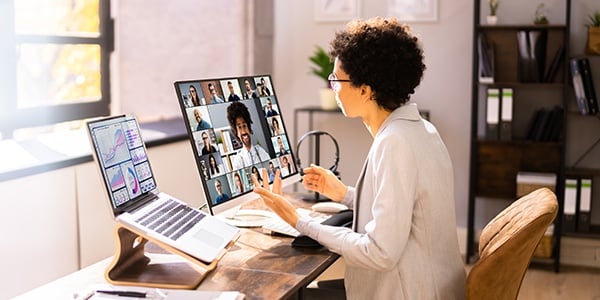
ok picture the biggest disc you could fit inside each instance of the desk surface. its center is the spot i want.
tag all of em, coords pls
(260, 266)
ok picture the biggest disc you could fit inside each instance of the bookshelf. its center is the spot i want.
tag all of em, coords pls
(522, 142)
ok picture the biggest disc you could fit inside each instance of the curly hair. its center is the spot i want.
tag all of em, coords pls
(383, 54)
(237, 110)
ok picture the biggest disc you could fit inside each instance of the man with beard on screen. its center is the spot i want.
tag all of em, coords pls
(241, 125)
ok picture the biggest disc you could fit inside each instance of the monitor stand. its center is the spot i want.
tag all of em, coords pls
(246, 218)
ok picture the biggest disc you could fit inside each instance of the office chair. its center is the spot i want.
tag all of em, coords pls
(507, 244)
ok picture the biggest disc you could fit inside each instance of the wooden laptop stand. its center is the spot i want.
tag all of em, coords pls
(130, 265)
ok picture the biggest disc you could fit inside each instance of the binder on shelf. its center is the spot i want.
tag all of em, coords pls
(569, 217)
(532, 55)
(556, 126)
(486, 60)
(585, 204)
(539, 125)
(506, 114)
(576, 77)
(492, 113)
(588, 85)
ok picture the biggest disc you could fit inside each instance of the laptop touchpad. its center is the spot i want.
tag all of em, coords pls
(208, 238)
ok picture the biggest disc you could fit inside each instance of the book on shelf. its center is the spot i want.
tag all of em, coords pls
(583, 86)
(588, 85)
(570, 205)
(555, 64)
(492, 118)
(506, 114)
(546, 125)
(486, 59)
(585, 204)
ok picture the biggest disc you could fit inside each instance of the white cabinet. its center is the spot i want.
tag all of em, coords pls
(56, 222)
(38, 230)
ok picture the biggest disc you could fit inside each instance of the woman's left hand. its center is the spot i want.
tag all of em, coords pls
(273, 198)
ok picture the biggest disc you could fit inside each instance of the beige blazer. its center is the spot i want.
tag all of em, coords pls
(404, 243)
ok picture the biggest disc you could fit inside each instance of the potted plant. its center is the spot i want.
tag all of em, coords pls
(593, 38)
(540, 15)
(322, 67)
(492, 19)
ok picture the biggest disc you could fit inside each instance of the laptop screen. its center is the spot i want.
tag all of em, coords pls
(120, 151)
(236, 128)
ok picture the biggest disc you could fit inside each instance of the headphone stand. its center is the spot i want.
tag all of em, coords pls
(316, 197)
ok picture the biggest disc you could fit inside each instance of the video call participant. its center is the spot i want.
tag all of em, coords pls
(232, 95)
(272, 171)
(202, 124)
(269, 111)
(263, 89)
(214, 96)
(237, 180)
(194, 96)
(221, 197)
(207, 148)
(249, 93)
(276, 129)
(241, 125)
(403, 243)
(286, 166)
(282, 150)
(214, 168)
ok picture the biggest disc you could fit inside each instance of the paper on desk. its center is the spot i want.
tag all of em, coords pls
(153, 293)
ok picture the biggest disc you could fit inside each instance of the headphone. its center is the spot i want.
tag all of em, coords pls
(318, 134)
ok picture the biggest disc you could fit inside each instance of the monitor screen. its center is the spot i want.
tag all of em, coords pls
(236, 129)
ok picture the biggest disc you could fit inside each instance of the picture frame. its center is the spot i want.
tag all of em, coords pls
(414, 10)
(336, 10)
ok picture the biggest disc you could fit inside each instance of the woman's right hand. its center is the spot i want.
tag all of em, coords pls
(323, 181)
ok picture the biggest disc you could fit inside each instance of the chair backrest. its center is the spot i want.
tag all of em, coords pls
(507, 244)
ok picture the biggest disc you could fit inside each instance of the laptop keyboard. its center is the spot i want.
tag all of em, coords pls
(171, 219)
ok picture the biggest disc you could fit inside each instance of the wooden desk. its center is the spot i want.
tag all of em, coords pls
(260, 266)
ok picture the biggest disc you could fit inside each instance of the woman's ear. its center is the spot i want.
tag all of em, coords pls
(366, 92)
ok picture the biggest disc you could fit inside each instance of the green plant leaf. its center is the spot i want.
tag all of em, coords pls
(322, 64)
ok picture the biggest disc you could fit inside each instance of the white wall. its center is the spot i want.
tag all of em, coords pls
(445, 90)
(158, 42)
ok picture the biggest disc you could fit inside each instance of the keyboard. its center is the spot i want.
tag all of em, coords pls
(171, 219)
(278, 226)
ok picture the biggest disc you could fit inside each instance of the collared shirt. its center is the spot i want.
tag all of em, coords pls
(245, 158)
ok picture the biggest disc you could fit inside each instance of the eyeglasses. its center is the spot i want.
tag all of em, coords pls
(334, 83)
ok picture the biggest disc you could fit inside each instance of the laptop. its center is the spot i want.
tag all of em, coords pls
(136, 202)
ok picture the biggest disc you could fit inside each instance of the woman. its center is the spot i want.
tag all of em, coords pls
(194, 96)
(403, 244)
(238, 183)
(276, 129)
(213, 166)
(257, 174)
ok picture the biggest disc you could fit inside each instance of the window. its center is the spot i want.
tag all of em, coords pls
(54, 62)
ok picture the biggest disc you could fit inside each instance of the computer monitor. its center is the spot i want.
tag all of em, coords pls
(236, 127)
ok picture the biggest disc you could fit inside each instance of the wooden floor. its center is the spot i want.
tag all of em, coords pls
(572, 283)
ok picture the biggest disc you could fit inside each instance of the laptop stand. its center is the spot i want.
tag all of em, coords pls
(131, 266)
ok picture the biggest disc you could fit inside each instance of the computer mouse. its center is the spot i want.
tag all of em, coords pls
(329, 207)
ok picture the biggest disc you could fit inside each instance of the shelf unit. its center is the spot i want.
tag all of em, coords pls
(494, 163)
